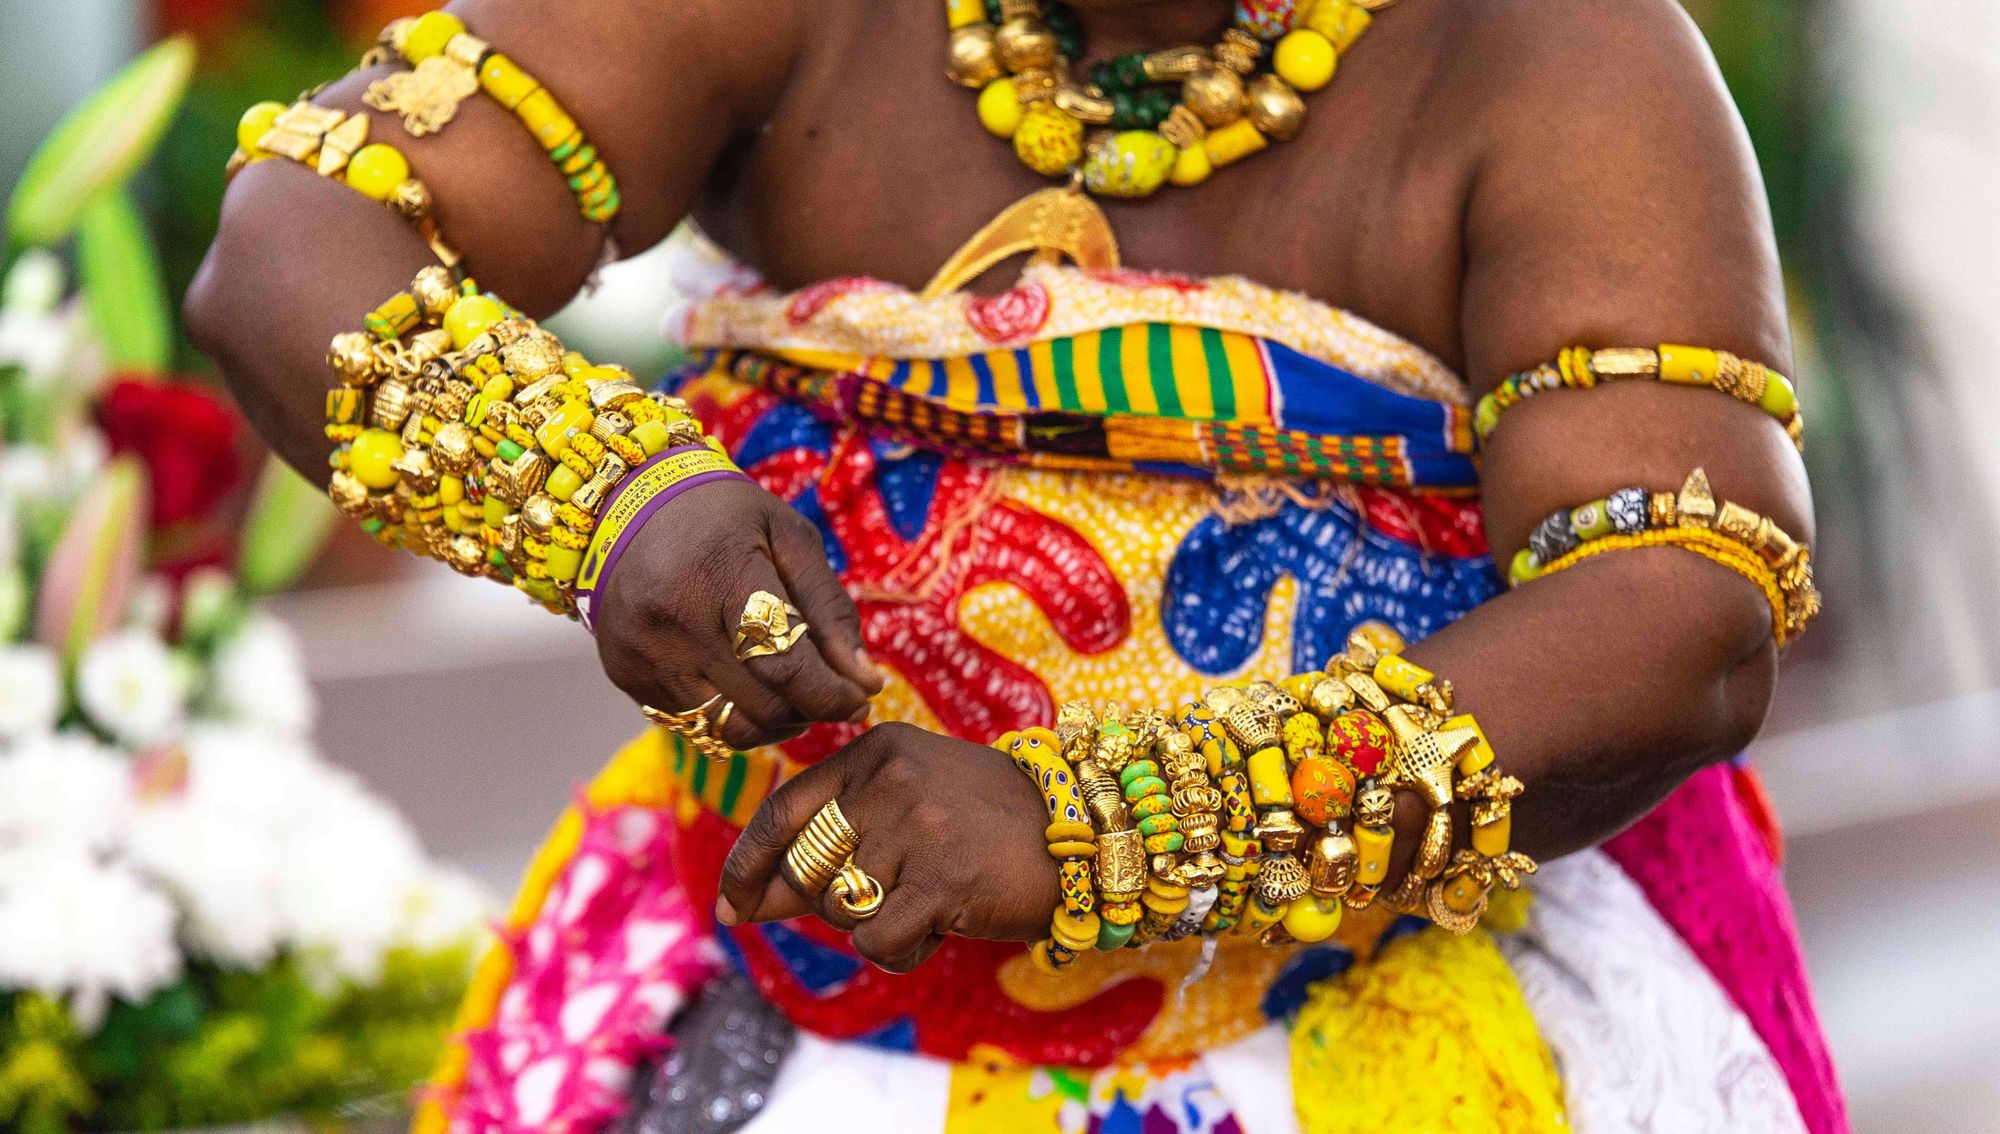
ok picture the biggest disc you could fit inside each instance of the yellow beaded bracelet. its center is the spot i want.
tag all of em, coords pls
(335, 145)
(449, 64)
(1580, 368)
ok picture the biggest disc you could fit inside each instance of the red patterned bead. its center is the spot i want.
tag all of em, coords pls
(1361, 739)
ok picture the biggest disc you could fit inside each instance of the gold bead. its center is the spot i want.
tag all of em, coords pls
(352, 358)
(435, 292)
(972, 60)
(1025, 43)
(1215, 94)
(1177, 63)
(411, 200)
(1275, 108)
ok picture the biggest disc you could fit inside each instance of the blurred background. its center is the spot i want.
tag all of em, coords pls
(1880, 139)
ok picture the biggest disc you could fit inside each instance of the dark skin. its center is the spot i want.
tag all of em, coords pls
(1492, 179)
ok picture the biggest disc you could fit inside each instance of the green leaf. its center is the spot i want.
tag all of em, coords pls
(122, 288)
(288, 522)
(98, 146)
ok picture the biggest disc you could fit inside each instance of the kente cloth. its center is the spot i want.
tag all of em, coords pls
(1131, 487)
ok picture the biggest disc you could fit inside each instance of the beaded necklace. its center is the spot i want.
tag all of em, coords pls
(1234, 99)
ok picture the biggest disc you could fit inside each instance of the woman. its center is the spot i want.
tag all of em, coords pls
(1097, 491)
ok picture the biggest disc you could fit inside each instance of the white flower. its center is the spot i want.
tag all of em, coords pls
(258, 681)
(27, 473)
(63, 790)
(131, 686)
(30, 692)
(224, 874)
(34, 285)
(73, 926)
(339, 879)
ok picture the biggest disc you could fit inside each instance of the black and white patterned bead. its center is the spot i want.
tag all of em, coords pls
(1552, 539)
(1628, 510)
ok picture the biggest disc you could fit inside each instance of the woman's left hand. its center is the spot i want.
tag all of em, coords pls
(952, 830)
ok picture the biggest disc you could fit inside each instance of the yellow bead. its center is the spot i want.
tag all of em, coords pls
(470, 317)
(1049, 140)
(545, 119)
(563, 483)
(959, 13)
(1134, 163)
(1234, 142)
(1340, 21)
(569, 419)
(1270, 782)
(458, 521)
(564, 563)
(375, 171)
(1000, 108)
(1258, 917)
(1371, 849)
(1462, 895)
(255, 123)
(1780, 400)
(1477, 758)
(1689, 366)
(1402, 678)
(651, 436)
(429, 33)
(1306, 59)
(503, 79)
(1493, 839)
(451, 490)
(1523, 569)
(373, 456)
(1313, 919)
(1192, 166)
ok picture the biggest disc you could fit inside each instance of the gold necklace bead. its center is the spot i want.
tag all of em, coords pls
(1025, 43)
(973, 61)
(1183, 127)
(1239, 51)
(1176, 63)
(1275, 108)
(1037, 84)
(1084, 106)
(1215, 94)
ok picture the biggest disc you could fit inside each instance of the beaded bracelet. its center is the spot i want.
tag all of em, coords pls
(449, 65)
(1310, 832)
(1726, 533)
(1075, 926)
(335, 145)
(1579, 368)
(465, 432)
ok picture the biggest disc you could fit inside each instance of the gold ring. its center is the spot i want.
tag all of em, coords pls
(832, 822)
(768, 625)
(857, 893)
(810, 868)
(694, 727)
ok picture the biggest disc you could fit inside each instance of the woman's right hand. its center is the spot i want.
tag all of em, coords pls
(668, 616)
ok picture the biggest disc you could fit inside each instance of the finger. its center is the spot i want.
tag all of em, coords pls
(829, 610)
(905, 933)
(760, 716)
(801, 677)
(756, 861)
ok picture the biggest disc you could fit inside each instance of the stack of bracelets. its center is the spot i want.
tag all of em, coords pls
(466, 433)
(1266, 809)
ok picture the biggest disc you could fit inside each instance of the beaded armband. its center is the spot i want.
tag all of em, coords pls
(466, 433)
(1726, 533)
(1580, 368)
(449, 65)
(1194, 837)
(335, 145)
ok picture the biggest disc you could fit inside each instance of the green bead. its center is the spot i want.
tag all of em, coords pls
(1112, 937)
(509, 450)
(1131, 69)
(371, 526)
(1592, 520)
(993, 11)
(1524, 568)
(1102, 76)
(1158, 824)
(1069, 44)
(1137, 769)
(1487, 417)
(1144, 786)
(1155, 104)
(1124, 112)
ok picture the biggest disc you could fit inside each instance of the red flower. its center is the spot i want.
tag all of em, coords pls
(1011, 315)
(186, 436)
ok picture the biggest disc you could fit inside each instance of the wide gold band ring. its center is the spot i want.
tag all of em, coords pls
(822, 848)
(769, 625)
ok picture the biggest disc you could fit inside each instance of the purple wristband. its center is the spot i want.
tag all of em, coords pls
(644, 491)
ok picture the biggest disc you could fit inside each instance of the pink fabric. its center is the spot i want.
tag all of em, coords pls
(615, 952)
(1708, 869)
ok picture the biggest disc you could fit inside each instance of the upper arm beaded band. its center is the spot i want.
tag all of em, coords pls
(1580, 368)
(450, 64)
(1726, 533)
(335, 145)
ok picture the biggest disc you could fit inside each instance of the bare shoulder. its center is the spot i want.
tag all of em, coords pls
(1616, 193)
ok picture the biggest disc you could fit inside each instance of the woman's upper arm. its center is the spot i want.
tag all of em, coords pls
(1618, 204)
